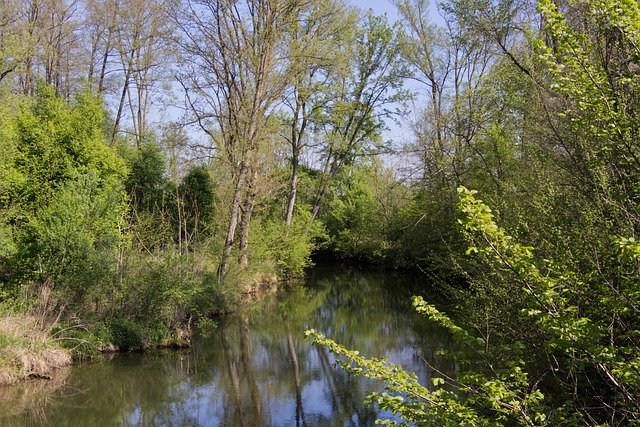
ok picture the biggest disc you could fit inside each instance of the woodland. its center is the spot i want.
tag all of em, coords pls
(160, 160)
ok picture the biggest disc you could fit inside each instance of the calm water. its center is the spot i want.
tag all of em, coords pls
(255, 369)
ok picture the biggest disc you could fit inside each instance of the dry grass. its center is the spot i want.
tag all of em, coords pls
(27, 350)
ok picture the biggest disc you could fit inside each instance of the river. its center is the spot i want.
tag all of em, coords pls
(255, 368)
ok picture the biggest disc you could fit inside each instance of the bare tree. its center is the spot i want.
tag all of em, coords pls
(233, 78)
(100, 26)
(142, 45)
(59, 43)
(49, 43)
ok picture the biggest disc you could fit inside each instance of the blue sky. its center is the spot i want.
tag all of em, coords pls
(379, 7)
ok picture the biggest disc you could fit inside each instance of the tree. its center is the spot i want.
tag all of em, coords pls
(197, 197)
(467, 129)
(142, 41)
(577, 347)
(359, 212)
(362, 99)
(146, 183)
(57, 140)
(50, 45)
(100, 25)
(453, 63)
(595, 75)
(564, 350)
(318, 46)
(232, 81)
(12, 48)
(66, 186)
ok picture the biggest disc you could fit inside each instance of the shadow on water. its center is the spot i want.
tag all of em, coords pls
(255, 369)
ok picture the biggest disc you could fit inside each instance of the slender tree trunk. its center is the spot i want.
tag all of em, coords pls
(28, 77)
(134, 122)
(317, 205)
(139, 113)
(107, 47)
(57, 73)
(139, 78)
(105, 59)
(297, 135)
(182, 232)
(92, 61)
(247, 211)
(330, 171)
(125, 89)
(293, 191)
(234, 212)
(28, 84)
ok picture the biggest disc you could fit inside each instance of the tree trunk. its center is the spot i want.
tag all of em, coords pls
(318, 202)
(103, 67)
(297, 135)
(107, 47)
(293, 191)
(247, 211)
(125, 89)
(233, 221)
(330, 170)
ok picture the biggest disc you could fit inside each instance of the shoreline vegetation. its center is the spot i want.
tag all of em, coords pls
(34, 347)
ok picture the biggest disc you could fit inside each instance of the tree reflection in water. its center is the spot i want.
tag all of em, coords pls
(256, 369)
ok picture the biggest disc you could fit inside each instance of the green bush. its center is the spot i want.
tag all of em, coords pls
(520, 364)
(57, 142)
(197, 197)
(125, 334)
(73, 242)
(290, 249)
(146, 184)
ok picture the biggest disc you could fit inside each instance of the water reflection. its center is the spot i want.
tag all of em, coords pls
(256, 369)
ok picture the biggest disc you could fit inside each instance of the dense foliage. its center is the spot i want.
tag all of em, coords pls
(548, 312)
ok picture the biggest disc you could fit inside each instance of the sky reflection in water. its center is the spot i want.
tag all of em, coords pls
(256, 369)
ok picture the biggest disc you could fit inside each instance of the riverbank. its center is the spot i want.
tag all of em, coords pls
(28, 350)
(250, 366)
(33, 346)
